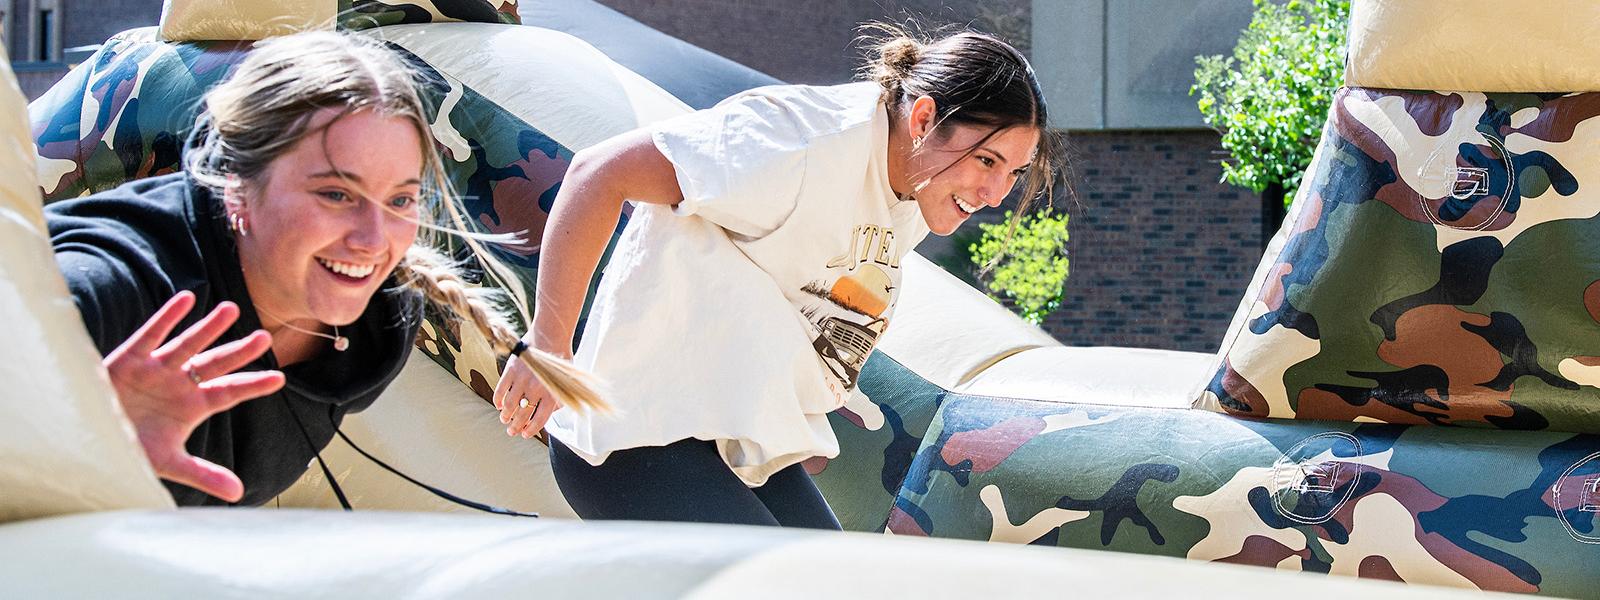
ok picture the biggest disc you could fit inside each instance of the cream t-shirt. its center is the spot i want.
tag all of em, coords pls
(744, 314)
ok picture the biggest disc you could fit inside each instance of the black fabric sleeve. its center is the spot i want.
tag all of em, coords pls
(112, 300)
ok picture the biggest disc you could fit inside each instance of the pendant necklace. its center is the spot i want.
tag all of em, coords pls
(340, 343)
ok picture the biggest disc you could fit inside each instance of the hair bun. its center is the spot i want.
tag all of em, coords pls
(896, 58)
(900, 55)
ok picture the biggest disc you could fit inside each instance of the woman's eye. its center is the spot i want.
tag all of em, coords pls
(402, 202)
(334, 196)
(987, 162)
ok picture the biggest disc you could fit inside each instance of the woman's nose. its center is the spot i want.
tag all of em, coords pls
(366, 229)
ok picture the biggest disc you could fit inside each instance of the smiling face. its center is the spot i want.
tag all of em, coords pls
(961, 173)
(329, 220)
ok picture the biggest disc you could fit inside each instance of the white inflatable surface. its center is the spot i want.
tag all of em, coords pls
(1096, 375)
(948, 332)
(224, 553)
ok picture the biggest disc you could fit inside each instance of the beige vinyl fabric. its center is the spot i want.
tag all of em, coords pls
(65, 446)
(580, 98)
(1100, 375)
(1476, 45)
(223, 554)
(191, 20)
(948, 332)
(430, 427)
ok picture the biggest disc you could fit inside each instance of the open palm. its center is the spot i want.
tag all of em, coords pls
(169, 389)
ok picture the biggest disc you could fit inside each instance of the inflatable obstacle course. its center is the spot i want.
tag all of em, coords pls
(1395, 400)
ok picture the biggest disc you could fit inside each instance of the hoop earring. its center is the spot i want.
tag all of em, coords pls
(237, 224)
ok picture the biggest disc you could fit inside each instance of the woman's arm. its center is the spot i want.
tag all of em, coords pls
(586, 211)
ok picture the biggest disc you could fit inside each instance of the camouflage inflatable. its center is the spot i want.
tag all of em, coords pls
(1438, 269)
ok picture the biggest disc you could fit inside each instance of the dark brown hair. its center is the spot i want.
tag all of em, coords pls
(974, 79)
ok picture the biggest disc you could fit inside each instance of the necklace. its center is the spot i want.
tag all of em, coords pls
(340, 343)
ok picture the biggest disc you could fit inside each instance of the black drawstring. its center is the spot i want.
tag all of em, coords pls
(333, 483)
(339, 493)
(435, 491)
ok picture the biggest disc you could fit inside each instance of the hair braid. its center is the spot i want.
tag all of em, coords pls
(431, 273)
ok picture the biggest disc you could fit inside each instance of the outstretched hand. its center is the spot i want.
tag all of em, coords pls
(168, 390)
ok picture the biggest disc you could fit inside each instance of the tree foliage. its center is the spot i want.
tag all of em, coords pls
(1270, 99)
(1029, 266)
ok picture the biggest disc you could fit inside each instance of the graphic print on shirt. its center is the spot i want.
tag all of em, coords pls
(854, 307)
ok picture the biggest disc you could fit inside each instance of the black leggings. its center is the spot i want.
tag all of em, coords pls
(685, 481)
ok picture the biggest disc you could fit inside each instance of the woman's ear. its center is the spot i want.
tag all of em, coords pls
(233, 195)
(923, 117)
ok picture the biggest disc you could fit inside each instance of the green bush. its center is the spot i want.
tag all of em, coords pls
(1270, 99)
(1028, 272)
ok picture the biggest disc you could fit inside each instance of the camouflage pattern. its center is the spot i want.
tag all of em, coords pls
(1396, 502)
(367, 14)
(111, 119)
(1439, 270)
(879, 430)
(91, 132)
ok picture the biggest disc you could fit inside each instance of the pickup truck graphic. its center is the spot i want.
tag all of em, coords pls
(844, 347)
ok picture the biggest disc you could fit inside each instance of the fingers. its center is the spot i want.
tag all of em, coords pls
(202, 334)
(203, 475)
(540, 417)
(520, 419)
(231, 356)
(502, 387)
(154, 331)
(227, 391)
(511, 402)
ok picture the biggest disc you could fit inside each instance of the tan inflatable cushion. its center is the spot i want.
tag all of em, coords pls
(190, 20)
(64, 444)
(1475, 45)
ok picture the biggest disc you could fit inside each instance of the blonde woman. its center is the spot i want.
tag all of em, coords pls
(760, 266)
(294, 231)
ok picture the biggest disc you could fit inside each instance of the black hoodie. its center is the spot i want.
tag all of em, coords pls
(126, 251)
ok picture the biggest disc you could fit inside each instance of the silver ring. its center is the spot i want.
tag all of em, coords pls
(523, 403)
(188, 369)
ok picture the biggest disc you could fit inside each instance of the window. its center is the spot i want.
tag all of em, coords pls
(45, 49)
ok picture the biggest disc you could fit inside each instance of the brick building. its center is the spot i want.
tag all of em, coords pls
(45, 37)
(1160, 250)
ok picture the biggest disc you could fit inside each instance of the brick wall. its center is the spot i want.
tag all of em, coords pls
(1161, 252)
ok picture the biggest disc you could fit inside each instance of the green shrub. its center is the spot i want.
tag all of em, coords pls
(1270, 99)
(1029, 273)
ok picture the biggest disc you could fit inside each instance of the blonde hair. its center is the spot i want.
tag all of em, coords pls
(267, 106)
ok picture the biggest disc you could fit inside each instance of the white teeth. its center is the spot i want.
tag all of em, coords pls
(351, 270)
(966, 207)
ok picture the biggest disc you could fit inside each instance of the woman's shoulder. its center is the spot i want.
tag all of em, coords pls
(161, 198)
(816, 111)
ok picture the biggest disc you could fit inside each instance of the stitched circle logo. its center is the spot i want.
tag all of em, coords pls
(1576, 499)
(1312, 480)
(1466, 185)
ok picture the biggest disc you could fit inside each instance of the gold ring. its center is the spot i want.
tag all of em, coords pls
(523, 403)
(188, 369)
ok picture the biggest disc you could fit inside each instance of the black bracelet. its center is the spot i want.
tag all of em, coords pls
(517, 349)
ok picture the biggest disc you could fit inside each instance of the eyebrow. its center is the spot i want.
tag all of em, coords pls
(337, 174)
